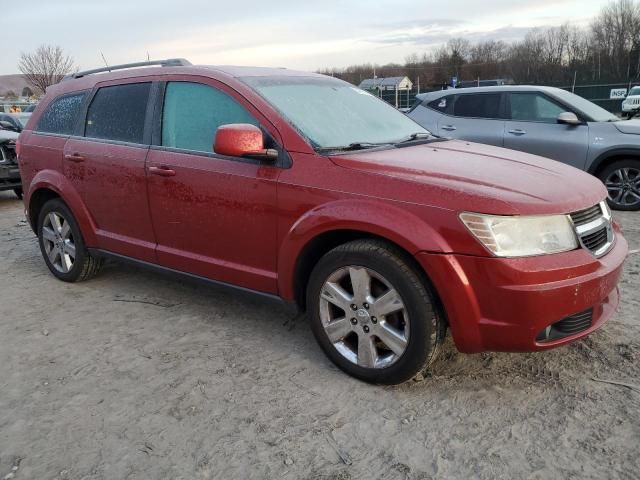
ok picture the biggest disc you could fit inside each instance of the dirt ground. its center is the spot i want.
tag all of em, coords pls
(138, 376)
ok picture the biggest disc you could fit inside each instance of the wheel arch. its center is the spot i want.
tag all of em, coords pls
(48, 184)
(320, 231)
(607, 158)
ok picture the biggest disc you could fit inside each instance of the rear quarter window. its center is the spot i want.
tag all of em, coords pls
(442, 104)
(61, 115)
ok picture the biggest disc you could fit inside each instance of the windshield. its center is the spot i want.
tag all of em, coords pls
(332, 113)
(589, 109)
(634, 91)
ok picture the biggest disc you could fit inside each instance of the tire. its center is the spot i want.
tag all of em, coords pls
(56, 239)
(18, 192)
(622, 180)
(417, 329)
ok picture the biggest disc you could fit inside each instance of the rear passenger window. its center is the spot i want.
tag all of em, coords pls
(486, 105)
(441, 104)
(193, 112)
(61, 114)
(118, 113)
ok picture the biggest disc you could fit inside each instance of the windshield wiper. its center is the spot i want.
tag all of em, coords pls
(414, 136)
(352, 146)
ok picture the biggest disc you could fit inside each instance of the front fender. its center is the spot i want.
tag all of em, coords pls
(58, 183)
(397, 223)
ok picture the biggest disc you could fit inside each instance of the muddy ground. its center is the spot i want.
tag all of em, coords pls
(138, 376)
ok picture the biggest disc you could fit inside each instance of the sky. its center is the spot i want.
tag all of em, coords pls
(299, 34)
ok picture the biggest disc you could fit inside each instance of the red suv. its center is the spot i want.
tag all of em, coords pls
(305, 188)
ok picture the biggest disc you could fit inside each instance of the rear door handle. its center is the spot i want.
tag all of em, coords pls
(162, 171)
(518, 131)
(449, 128)
(75, 157)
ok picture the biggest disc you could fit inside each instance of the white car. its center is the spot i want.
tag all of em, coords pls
(631, 104)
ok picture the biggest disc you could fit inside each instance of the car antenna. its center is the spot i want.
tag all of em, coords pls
(105, 61)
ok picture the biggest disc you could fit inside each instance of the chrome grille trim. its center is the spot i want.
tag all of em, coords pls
(593, 227)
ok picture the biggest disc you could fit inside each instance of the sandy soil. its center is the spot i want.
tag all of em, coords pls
(138, 376)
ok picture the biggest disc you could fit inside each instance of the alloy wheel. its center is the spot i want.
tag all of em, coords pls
(364, 317)
(623, 186)
(58, 242)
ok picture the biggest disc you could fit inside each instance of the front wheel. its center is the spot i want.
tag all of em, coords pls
(18, 192)
(622, 179)
(372, 312)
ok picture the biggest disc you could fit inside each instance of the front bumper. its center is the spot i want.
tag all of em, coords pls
(630, 108)
(503, 304)
(9, 177)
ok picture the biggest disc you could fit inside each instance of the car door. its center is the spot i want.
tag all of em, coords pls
(214, 216)
(533, 128)
(476, 117)
(109, 161)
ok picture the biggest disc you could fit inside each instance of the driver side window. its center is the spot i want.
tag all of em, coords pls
(193, 112)
(534, 107)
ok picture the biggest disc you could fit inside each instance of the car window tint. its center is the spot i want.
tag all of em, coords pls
(118, 113)
(486, 105)
(193, 112)
(61, 115)
(441, 104)
(534, 107)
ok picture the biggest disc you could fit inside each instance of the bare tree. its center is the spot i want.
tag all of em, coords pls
(44, 67)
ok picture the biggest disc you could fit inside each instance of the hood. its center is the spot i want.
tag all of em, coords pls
(629, 126)
(464, 176)
(8, 135)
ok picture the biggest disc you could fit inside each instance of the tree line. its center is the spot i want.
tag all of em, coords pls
(607, 50)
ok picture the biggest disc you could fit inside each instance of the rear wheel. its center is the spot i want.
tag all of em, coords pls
(622, 179)
(372, 313)
(62, 245)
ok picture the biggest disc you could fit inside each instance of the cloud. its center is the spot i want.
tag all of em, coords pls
(305, 35)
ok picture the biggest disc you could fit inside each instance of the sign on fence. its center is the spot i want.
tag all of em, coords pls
(618, 93)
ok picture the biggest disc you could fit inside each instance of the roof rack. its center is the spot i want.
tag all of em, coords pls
(170, 62)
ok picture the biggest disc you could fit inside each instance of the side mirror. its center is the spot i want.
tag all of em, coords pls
(569, 118)
(242, 140)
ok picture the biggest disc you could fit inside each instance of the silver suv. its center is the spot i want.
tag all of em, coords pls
(544, 121)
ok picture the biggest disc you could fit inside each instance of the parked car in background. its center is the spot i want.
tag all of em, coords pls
(305, 188)
(544, 121)
(13, 121)
(9, 170)
(631, 103)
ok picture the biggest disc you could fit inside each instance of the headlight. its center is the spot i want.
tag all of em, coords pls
(522, 236)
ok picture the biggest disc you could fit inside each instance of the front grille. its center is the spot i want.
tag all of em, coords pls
(568, 326)
(593, 228)
(586, 216)
(595, 241)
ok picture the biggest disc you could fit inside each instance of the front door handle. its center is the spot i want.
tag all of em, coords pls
(162, 171)
(449, 128)
(75, 157)
(518, 131)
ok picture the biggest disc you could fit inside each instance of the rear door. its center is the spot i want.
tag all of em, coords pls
(477, 117)
(533, 128)
(112, 154)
